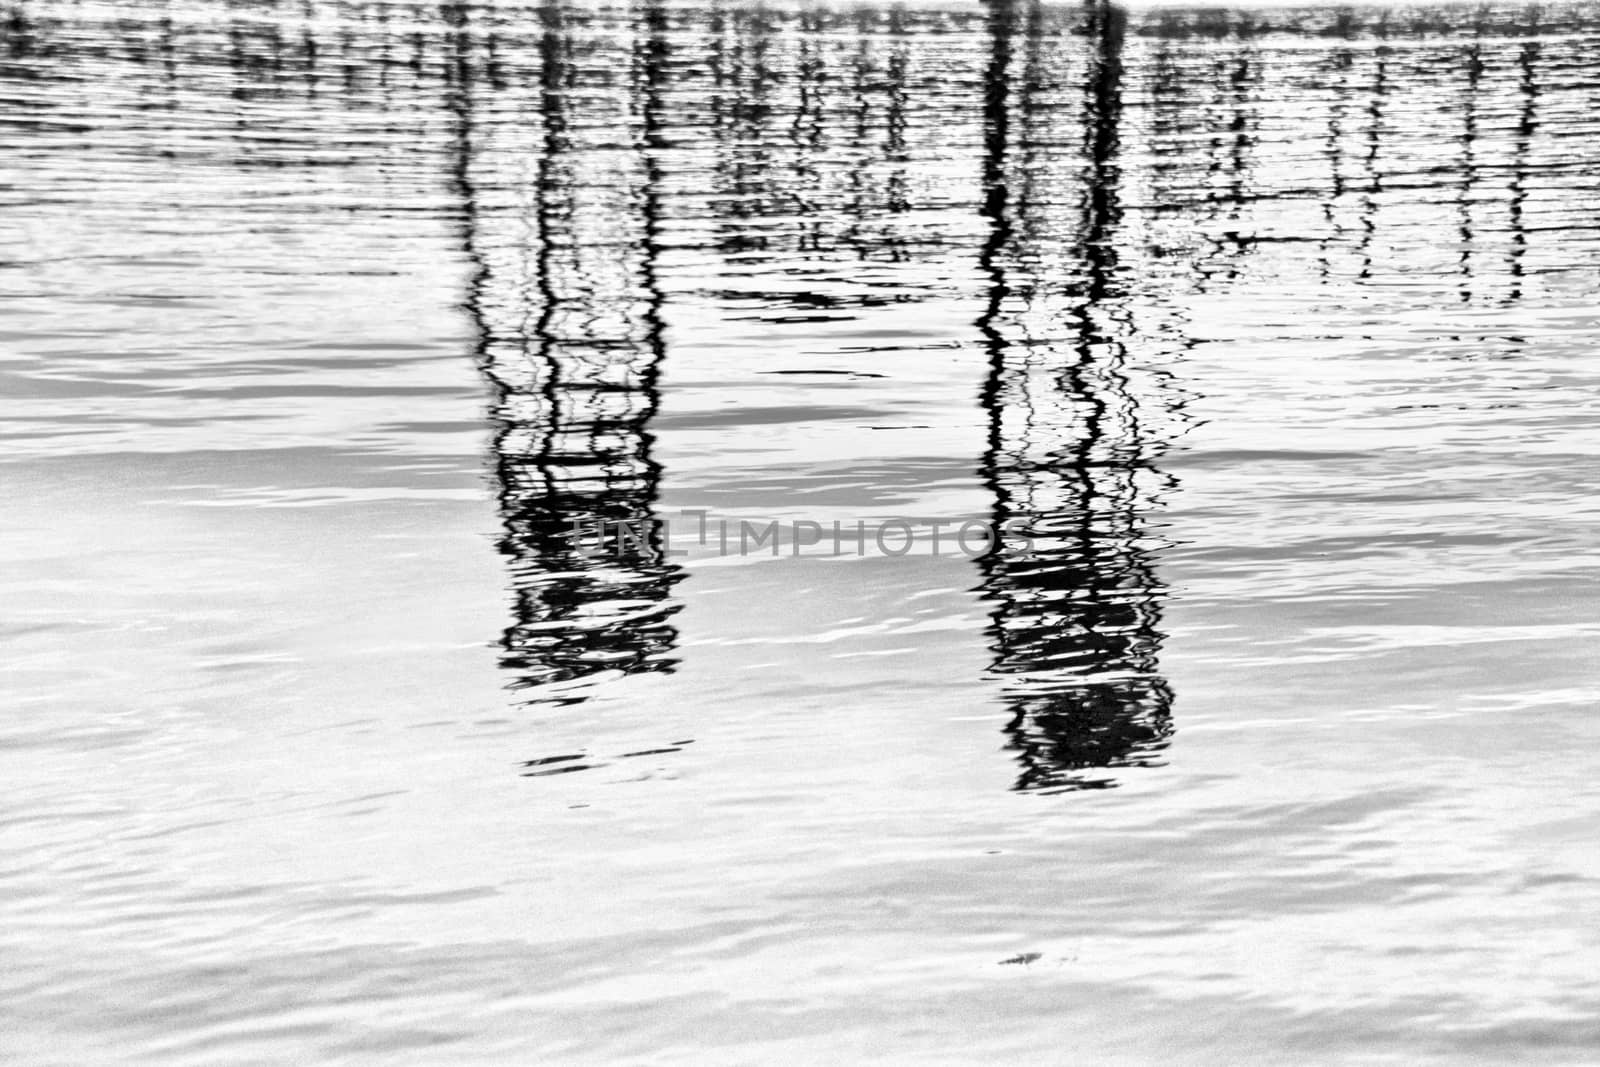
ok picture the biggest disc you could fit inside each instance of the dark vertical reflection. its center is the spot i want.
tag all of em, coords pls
(1234, 77)
(809, 145)
(16, 30)
(897, 192)
(1340, 62)
(746, 168)
(1528, 90)
(1468, 166)
(1076, 613)
(1375, 131)
(1203, 102)
(1171, 121)
(808, 168)
(568, 306)
(1244, 76)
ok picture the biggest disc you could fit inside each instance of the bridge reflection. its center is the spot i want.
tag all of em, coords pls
(1121, 174)
(1071, 457)
(564, 234)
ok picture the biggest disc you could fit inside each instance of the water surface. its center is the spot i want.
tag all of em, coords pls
(333, 735)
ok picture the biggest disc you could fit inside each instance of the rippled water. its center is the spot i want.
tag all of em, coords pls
(334, 329)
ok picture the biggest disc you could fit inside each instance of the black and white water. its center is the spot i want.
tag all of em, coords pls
(328, 738)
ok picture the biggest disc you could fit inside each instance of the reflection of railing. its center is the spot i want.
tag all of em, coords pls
(1076, 612)
(1229, 107)
(1527, 122)
(809, 157)
(569, 309)
(1173, 153)
(1246, 124)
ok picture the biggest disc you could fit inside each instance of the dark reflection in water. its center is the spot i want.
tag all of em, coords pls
(1077, 610)
(1528, 89)
(570, 334)
(1132, 169)
(807, 115)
